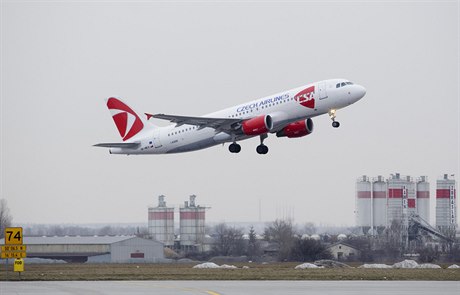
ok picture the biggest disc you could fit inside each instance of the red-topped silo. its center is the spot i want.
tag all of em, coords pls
(423, 198)
(446, 203)
(363, 203)
(161, 223)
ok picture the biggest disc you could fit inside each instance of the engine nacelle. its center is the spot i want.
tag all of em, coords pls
(297, 129)
(258, 125)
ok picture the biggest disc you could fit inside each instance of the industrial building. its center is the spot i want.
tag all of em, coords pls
(191, 225)
(446, 204)
(161, 223)
(380, 202)
(107, 249)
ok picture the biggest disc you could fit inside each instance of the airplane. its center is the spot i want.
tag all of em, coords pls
(286, 114)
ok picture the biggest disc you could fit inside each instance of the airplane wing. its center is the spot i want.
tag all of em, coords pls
(220, 124)
(127, 145)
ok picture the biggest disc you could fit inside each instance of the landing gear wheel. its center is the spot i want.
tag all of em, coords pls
(335, 124)
(234, 148)
(262, 149)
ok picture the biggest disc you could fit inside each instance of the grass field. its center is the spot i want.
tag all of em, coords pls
(278, 271)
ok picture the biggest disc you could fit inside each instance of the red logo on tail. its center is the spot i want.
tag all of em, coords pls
(127, 121)
(305, 97)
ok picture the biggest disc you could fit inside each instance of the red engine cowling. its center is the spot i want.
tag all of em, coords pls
(258, 125)
(297, 129)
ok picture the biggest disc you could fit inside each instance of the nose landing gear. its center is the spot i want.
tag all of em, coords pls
(335, 123)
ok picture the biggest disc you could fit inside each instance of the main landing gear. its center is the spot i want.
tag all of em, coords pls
(335, 123)
(262, 149)
(234, 148)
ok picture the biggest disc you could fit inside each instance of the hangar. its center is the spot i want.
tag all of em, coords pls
(103, 249)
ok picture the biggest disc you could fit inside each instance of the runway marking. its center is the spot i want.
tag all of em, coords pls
(212, 293)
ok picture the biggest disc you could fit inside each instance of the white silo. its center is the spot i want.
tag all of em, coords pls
(161, 223)
(363, 203)
(411, 196)
(192, 225)
(379, 199)
(446, 203)
(396, 201)
(423, 198)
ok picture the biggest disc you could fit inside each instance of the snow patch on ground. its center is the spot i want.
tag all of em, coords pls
(375, 265)
(454, 266)
(406, 264)
(226, 266)
(213, 265)
(428, 265)
(307, 265)
(207, 265)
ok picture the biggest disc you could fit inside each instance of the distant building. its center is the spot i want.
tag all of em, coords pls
(161, 223)
(192, 226)
(342, 251)
(108, 249)
(446, 204)
(380, 202)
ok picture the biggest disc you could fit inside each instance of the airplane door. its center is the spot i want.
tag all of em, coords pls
(156, 139)
(322, 90)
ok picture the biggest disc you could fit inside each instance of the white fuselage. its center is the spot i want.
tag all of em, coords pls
(282, 107)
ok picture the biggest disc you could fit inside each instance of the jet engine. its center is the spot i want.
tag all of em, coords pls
(297, 129)
(258, 125)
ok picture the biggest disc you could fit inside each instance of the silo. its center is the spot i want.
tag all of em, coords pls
(411, 196)
(161, 223)
(363, 203)
(423, 198)
(401, 202)
(446, 203)
(379, 197)
(396, 202)
(192, 225)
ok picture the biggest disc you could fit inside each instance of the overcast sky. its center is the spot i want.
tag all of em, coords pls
(60, 60)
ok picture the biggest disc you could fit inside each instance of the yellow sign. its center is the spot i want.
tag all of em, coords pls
(19, 264)
(13, 236)
(20, 248)
(7, 255)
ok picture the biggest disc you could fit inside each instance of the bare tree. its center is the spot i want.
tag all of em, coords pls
(309, 250)
(229, 240)
(5, 217)
(281, 232)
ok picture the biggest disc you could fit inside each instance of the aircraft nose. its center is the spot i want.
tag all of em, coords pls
(361, 91)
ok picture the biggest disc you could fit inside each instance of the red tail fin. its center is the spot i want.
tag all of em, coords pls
(127, 121)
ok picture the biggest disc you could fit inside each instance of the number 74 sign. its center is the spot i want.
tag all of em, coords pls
(13, 236)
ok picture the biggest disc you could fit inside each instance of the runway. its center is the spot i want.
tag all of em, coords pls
(232, 287)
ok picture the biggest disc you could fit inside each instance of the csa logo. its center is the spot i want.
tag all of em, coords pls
(127, 121)
(305, 97)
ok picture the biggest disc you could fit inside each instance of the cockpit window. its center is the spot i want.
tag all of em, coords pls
(338, 85)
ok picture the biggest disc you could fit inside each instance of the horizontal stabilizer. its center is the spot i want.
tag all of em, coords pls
(126, 145)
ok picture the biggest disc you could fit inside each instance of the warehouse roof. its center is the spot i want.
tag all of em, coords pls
(82, 240)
